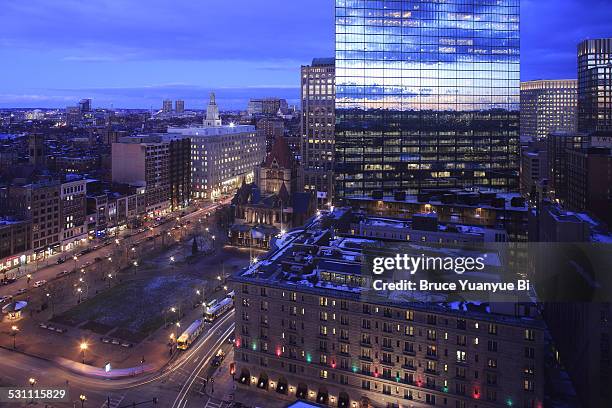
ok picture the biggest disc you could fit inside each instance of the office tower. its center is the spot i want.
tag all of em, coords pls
(267, 106)
(305, 328)
(73, 115)
(271, 129)
(595, 86)
(158, 162)
(558, 144)
(167, 106)
(179, 106)
(589, 181)
(533, 173)
(318, 124)
(548, 106)
(427, 96)
(84, 106)
(180, 172)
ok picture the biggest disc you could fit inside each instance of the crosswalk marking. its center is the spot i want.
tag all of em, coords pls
(114, 402)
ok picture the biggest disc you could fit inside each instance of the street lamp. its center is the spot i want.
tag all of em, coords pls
(110, 276)
(32, 382)
(83, 398)
(79, 291)
(29, 276)
(83, 346)
(14, 331)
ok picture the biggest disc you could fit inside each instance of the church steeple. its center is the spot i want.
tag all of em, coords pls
(212, 113)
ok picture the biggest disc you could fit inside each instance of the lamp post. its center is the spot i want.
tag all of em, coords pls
(83, 398)
(32, 382)
(75, 258)
(52, 304)
(14, 331)
(29, 278)
(83, 346)
(79, 291)
(110, 276)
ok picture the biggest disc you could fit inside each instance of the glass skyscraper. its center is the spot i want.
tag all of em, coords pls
(427, 95)
(595, 86)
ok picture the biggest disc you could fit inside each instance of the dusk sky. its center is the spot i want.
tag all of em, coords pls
(134, 54)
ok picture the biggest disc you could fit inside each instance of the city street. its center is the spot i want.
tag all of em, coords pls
(177, 385)
(51, 270)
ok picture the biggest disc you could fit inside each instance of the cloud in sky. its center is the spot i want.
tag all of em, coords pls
(99, 47)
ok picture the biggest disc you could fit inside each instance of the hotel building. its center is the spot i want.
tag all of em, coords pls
(305, 330)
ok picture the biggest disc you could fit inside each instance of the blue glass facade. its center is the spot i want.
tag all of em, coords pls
(427, 95)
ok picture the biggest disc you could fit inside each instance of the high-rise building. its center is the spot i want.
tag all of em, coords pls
(427, 95)
(158, 162)
(318, 124)
(271, 129)
(267, 106)
(533, 173)
(595, 86)
(167, 106)
(179, 106)
(222, 156)
(84, 106)
(558, 144)
(548, 106)
(589, 181)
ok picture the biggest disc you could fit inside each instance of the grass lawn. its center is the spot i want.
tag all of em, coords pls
(134, 307)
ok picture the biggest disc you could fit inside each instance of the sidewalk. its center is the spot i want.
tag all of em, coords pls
(227, 391)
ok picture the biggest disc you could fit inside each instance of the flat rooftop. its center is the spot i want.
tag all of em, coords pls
(307, 259)
(203, 131)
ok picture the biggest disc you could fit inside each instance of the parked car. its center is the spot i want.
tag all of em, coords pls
(21, 291)
(62, 273)
(5, 298)
(60, 260)
(39, 283)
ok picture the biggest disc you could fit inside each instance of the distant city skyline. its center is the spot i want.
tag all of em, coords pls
(119, 54)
